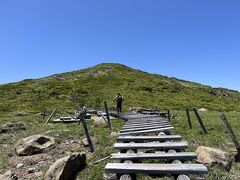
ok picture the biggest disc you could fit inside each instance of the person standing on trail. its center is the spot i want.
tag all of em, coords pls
(119, 100)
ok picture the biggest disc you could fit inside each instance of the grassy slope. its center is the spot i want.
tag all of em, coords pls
(93, 85)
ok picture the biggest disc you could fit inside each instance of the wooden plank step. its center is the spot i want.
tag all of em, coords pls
(161, 169)
(137, 115)
(129, 113)
(125, 115)
(146, 118)
(131, 117)
(148, 121)
(65, 120)
(144, 128)
(152, 145)
(164, 156)
(146, 131)
(144, 125)
(150, 138)
(150, 113)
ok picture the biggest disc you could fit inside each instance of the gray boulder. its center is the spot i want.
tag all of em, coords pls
(211, 156)
(67, 167)
(33, 144)
(98, 120)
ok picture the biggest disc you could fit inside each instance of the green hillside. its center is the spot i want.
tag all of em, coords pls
(93, 85)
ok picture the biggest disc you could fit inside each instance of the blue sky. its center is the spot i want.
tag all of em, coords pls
(192, 40)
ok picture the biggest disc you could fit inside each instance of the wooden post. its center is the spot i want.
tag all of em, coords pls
(91, 149)
(231, 133)
(200, 121)
(75, 114)
(189, 118)
(169, 116)
(106, 121)
(52, 115)
(107, 114)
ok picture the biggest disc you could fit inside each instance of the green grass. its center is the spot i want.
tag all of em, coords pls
(103, 142)
(217, 137)
(94, 85)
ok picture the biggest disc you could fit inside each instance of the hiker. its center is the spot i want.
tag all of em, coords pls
(119, 100)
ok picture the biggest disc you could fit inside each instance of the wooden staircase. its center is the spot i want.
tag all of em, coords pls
(147, 137)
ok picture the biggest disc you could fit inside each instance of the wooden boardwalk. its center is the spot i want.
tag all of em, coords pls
(147, 137)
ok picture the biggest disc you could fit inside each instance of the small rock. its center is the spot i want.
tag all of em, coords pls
(109, 176)
(211, 156)
(20, 114)
(20, 165)
(203, 110)
(67, 167)
(6, 176)
(33, 144)
(31, 170)
(85, 142)
(40, 114)
(38, 174)
(49, 158)
(12, 127)
(41, 163)
(114, 134)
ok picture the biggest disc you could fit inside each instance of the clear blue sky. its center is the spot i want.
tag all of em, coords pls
(197, 40)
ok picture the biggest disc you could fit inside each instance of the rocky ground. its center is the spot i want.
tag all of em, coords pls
(31, 155)
(37, 152)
